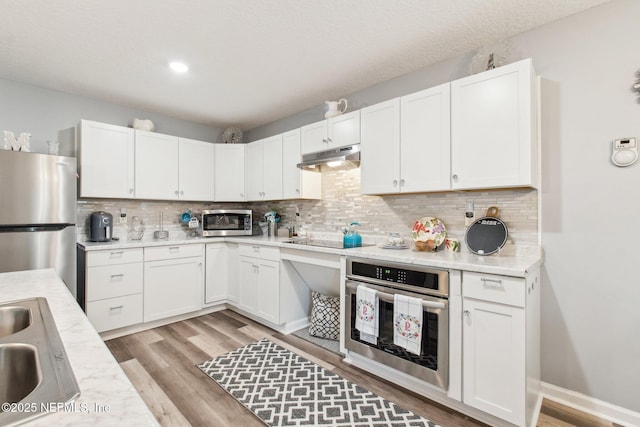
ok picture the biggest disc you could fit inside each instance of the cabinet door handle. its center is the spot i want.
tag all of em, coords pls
(454, 176)
(174, 249)
(176, 192)
(181, 193)
(115, 276)
(131, 191)
(496, 281)
(467, 313)
(329, 140)
(324, 140)
(402, 182)
(395, 182)
(118, 307)
(114, 253)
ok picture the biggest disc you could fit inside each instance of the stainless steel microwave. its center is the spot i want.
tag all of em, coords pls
(221, 222)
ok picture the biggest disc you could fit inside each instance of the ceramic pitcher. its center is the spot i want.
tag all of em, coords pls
(332, 108)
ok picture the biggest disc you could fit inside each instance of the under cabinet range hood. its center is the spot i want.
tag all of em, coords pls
(334, 159)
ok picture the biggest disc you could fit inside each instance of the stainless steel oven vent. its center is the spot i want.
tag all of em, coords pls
(334, 159)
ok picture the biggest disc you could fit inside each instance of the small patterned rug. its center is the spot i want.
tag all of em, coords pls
(284, 389)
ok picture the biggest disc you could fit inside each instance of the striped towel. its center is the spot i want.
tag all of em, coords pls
(367, 314)
(407, 323)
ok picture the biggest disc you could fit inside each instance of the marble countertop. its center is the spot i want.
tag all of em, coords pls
(512, 260)
(102, 382)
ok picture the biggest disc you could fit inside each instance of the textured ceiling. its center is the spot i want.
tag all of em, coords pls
(251, 61)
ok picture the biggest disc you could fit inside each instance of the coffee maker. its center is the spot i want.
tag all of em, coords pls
(101, 226)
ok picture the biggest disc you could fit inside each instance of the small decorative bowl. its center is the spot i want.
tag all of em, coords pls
(427, 246)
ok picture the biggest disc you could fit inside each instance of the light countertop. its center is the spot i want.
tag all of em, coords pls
(102, 382)
(510, 261)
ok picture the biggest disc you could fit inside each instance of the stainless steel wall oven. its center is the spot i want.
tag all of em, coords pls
(429, 285)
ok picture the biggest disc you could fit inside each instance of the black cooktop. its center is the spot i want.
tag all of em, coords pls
(336, 244)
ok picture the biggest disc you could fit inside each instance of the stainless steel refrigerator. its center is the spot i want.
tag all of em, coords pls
(38, 213)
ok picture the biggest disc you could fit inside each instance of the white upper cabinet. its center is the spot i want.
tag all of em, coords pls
(272, 167)
(157, 166)
(425, 130)
(264, 169)
(331, 133)
(494, 128)
(254, 170)
(314, 137)
(343, 130)
(380, 148)
(106, 160)
(121, 162)
(228, 170)
(405, 143)
(196, 170)
(297, 183)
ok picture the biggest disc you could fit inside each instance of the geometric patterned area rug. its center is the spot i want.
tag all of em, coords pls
(284, 389)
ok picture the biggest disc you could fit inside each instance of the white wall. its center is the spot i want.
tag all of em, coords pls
(590, 231)
(591, 281)
(53, 115)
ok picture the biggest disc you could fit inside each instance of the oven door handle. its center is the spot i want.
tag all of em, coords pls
(389, 298)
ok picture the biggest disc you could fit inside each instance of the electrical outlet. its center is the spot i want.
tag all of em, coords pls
(123, 215)
(469, 213)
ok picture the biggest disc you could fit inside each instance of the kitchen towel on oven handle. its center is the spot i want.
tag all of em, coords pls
(407, 322)
(367, 314)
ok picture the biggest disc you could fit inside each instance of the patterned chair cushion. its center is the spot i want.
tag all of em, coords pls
(325, 316)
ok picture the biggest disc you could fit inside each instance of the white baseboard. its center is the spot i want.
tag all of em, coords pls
(590, 405)
(139, 327)
(295, 325)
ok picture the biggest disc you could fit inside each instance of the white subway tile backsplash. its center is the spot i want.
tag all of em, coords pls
(341, 204)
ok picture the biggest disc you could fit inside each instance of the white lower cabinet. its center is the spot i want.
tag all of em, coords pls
(114, 313)
(113, 288)
(269, 290)
(501, 363)
(216, 273)
(232, 272)
(173, 285)
(259, 281)
(247, 284)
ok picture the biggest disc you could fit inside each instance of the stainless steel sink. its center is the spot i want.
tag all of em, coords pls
(34, 371)
(13, 319)
(20, 371)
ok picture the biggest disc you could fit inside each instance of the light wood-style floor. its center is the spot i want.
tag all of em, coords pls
(161, 363)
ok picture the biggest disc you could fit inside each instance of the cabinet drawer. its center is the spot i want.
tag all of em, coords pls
(115, 256)
(109, 281)
(115, 313)
(157, 253)
(258, 251)
(489, 287)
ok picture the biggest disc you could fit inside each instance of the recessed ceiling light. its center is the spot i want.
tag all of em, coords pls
(179, 67)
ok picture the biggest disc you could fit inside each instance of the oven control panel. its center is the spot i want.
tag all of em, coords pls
(392, 273)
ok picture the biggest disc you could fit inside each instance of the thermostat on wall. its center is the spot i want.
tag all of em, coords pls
(624, 152)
